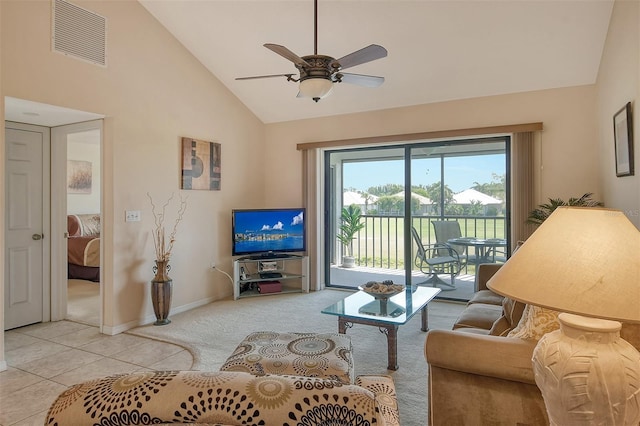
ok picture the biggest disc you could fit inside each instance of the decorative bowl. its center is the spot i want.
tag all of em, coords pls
(382, 290)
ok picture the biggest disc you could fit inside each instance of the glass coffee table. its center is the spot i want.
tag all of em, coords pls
(388, 314)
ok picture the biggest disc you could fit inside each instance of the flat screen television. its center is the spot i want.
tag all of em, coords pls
(268, 232)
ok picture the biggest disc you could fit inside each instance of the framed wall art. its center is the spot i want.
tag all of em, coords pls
(623, 135)
(200, 164)
(79, 177)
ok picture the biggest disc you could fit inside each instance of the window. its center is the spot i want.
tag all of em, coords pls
(463, 180)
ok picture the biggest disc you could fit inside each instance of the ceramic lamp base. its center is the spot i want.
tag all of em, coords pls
(587, 374)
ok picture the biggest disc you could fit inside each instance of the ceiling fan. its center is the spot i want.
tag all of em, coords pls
(319, 72)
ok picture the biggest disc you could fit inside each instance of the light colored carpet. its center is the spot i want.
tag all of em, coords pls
(83, 302)
(212, 332)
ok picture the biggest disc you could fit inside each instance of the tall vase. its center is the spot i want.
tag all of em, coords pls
(161, 289)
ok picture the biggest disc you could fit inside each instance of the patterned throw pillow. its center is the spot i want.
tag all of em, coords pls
(512, 312)
(535, 323)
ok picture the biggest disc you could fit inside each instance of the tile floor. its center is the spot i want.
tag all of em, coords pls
(44, 359)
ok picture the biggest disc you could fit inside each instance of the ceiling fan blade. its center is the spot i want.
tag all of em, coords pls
(287, 54)
(366, 54)
(361, 79)
(289, 76)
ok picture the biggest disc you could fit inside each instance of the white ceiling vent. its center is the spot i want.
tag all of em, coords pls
(79, 33)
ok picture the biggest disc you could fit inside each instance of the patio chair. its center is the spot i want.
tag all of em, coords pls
(435, 259)
(497, 254)
(448, 229)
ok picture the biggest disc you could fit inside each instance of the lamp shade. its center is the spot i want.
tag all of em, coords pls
(584, 261)
(315, 88)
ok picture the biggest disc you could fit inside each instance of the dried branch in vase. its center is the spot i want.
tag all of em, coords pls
(163, 246)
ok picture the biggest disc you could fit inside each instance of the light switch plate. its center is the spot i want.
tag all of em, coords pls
(132, 216)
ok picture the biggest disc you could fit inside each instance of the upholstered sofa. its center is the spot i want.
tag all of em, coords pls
(83, 246)
(478, 374)
(225, 398)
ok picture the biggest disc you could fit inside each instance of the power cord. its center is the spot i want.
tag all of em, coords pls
(215, 268)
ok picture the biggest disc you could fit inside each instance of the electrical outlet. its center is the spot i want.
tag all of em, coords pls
(132, 216)
(213, 264)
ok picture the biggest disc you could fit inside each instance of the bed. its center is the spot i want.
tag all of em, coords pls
(83, 247)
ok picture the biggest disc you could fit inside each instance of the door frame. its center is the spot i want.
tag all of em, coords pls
(59, 216)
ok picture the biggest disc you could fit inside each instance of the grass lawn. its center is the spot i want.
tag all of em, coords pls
(381, 242)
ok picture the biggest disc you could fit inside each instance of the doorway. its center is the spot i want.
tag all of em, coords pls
(396, 188)
(55, 120)
(78, 148)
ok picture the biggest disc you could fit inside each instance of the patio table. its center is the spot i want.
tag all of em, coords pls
(482, 247)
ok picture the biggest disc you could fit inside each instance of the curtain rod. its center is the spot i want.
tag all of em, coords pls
(436, 134)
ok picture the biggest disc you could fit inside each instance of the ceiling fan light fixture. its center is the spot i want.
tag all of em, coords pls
(315, 88)
(319, 72)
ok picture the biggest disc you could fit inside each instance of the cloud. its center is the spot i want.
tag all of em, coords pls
(277, 227)
(297, 220)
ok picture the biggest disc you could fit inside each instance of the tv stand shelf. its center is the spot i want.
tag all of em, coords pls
(293, 271)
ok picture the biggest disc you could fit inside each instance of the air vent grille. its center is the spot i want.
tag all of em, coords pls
(79, 33)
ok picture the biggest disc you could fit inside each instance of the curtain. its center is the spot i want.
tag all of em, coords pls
(312, 194)
(522, 185)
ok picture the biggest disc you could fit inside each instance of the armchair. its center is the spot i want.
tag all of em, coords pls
(477, 375)
(435, 259)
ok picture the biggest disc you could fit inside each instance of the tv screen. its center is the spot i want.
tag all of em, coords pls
(266, 232)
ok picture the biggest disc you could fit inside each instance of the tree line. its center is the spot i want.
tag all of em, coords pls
(389, 203)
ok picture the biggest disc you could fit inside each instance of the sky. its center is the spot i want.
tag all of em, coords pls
(283, 220)
(460, 172)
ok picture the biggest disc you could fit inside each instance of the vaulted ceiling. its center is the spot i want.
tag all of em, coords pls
(439, 50)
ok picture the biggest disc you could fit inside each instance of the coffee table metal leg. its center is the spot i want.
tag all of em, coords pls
(343, 324)
(392, 346)
(390, 330)
(425, 319)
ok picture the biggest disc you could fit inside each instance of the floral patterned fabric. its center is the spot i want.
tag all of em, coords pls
(535, 323)
(327, 355)
(225, 398)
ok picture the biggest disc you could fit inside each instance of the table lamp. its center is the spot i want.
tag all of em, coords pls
(584, 263)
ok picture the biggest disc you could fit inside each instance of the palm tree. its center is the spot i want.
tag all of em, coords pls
(367, 198)
(543, 211)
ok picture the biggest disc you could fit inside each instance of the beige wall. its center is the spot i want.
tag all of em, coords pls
(619, 83)
(575, 154)
(566, 153)
(567, 158)
(152, 92)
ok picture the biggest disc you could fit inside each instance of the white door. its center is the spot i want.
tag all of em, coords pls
(25, 225)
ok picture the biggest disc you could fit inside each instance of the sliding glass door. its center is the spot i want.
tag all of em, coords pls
(370, 183)
(401, 193)
(463, 186)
